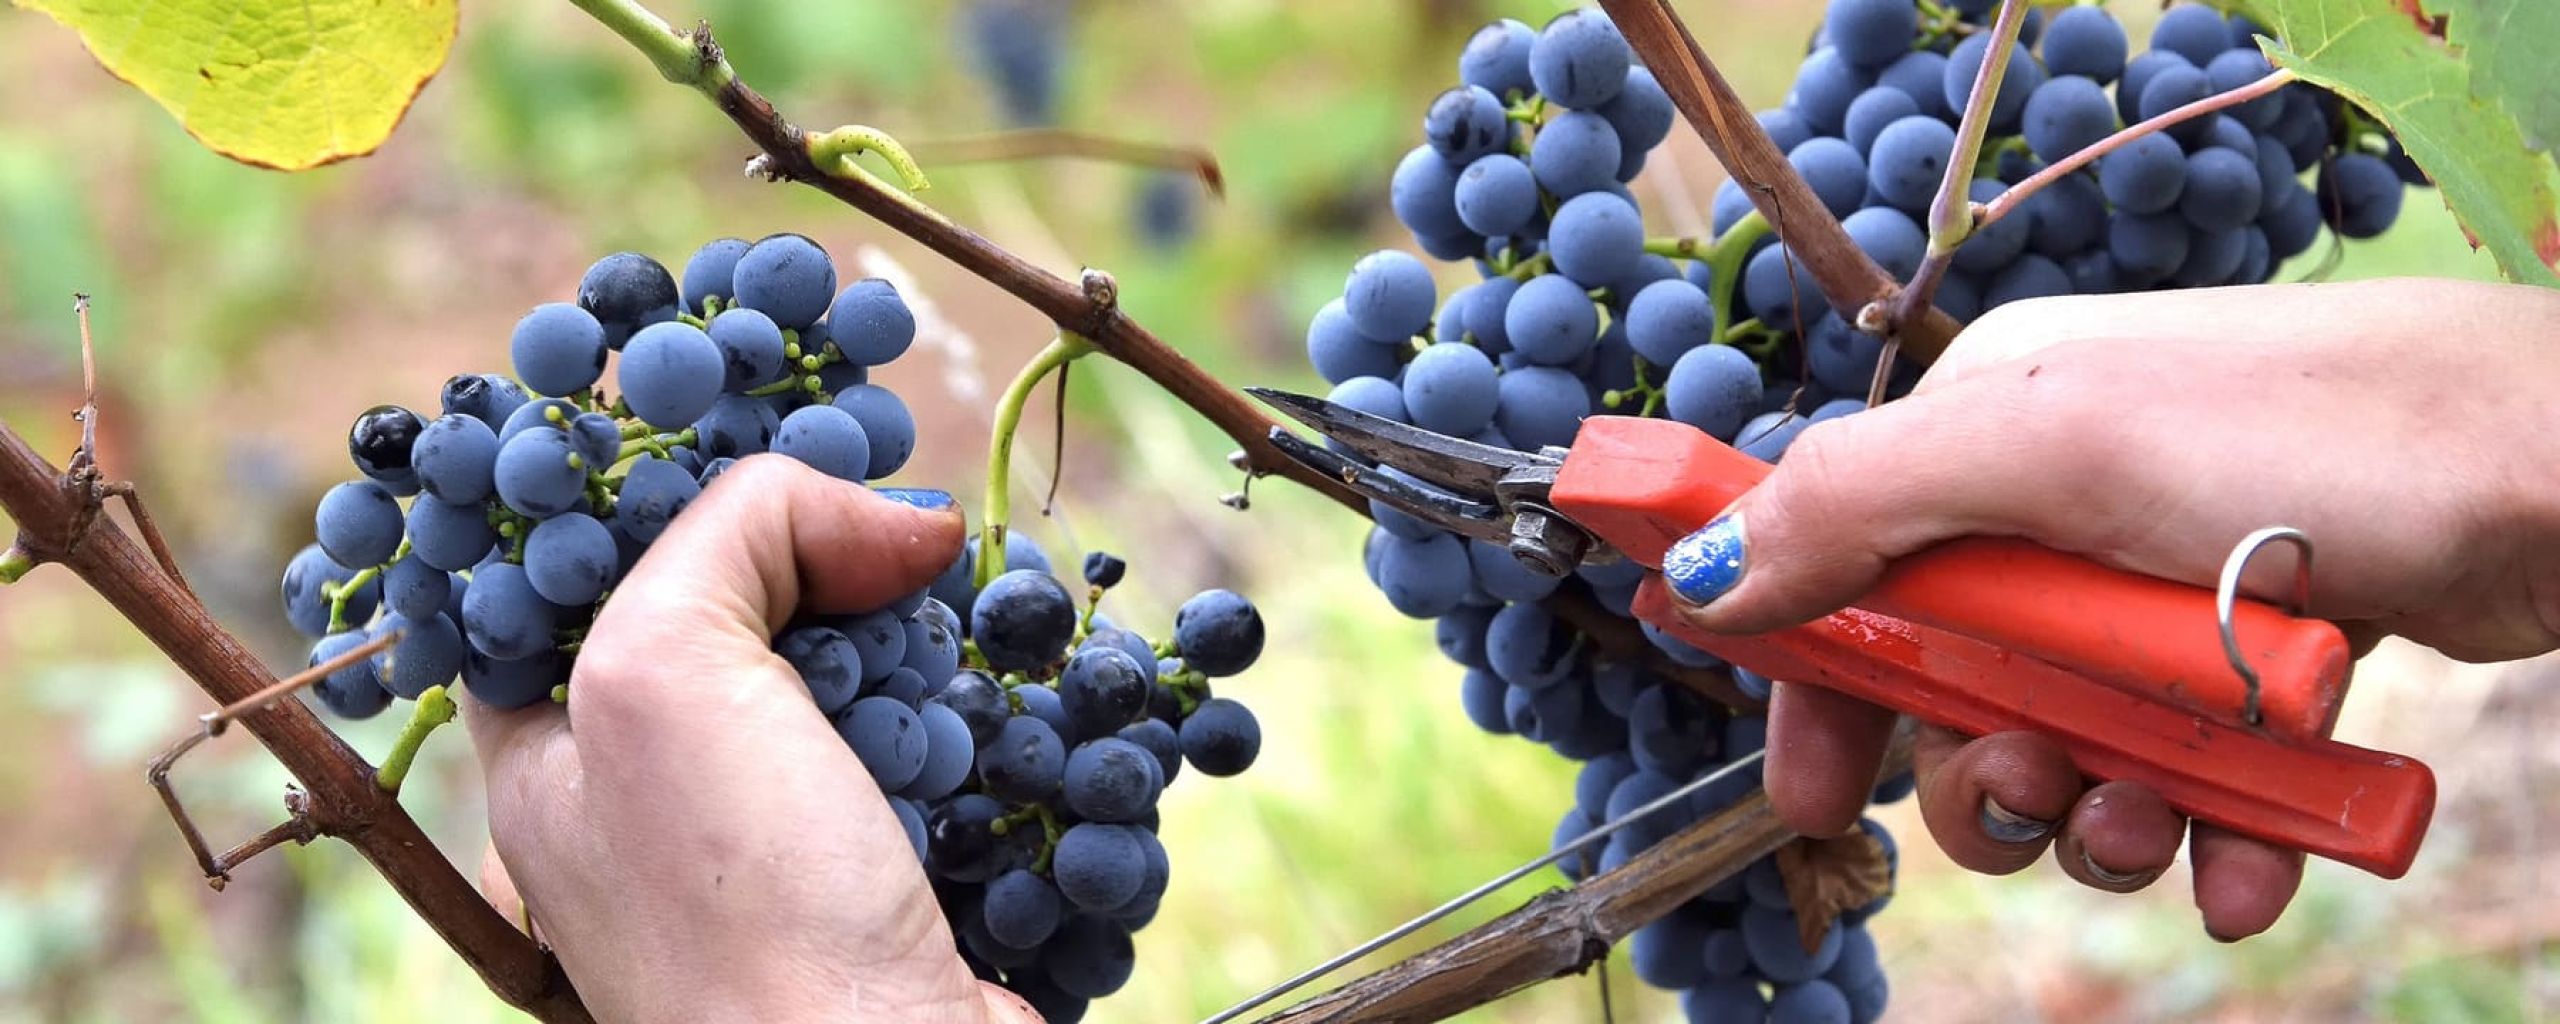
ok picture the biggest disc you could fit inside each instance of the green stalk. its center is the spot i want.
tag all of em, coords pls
(435, 708)
(1066, 349)
(1724, 264)
(678, 59)
(1951, 215)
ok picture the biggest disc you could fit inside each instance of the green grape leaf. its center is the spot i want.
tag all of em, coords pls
(287, 84)
(2466, 87)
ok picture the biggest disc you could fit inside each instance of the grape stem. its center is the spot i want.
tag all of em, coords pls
(685, 58)
(1724, 265)
(2016, 195)
(1067, 348)
(338, 596)
(435, 707)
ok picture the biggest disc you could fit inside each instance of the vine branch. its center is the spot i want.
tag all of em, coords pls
(2015, 195)
(1951, 214)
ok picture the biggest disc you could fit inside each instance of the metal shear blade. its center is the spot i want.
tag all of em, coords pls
(1481, 520)
(1460, 467)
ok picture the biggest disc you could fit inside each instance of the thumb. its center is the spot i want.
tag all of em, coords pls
(1994, 453)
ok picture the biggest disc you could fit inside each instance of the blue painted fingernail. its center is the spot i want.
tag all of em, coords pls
(2007, 826)
(917, 497)
(1705, 564)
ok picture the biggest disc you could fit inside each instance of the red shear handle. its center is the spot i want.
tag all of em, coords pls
(2349, 804)
(1642, 484)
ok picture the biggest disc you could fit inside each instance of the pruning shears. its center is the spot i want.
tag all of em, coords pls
(1981, 635)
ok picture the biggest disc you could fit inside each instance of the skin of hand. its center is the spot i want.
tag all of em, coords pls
(2392, 421)
(701, 845)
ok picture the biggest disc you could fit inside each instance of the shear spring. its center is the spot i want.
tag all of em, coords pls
(2227, 594)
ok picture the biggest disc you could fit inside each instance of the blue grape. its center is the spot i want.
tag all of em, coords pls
(1835, 171)
(750, 346)
(625, 292)
(1041, 701)
(2230, 134)
(2292, 220)
(1089, 958)
(1909, 162)
(2212, 258)
(1641, 112)
(1466, 122)
(539, 474)
(1023, 620)
(1102, 689)
(654, 491)
(1099, 866)
(950, 754)
(2145, 175)
(670, 374)
(1480, 695)
(736, 426)
(2193, 31)
(1596, 239)
(1497, 573)
(2275, 169)
(2256, 257)
(1725, 999)
(2147, 247)
(2359, 195)
(2086, 42)
(1889, 237)
(1826, 83)
(887, 736)
(1218, 633)
(504, 617)
(1579, 60)
(710, 273)
(1221, 737)
(1786, 128)
(1486, 302)
(1423, 194)
(1667, 319)
(1496, 58)
(537, 413)
(597, 438)
(1773, 285)
(1389, 295)
(353, 692)
(1018, 46)
(827, 439)
(1421, 577)
(1338, 350)
(979, 701)
(1022, 909)
(1811, 1002)
(886, 425)
(1112, 780)
(1540, 406)
(1529, 648)
(1867, 116)
(1713, 388)
(456, 459)
(1550, 321)
(1993, 245)
(2222, 190)
(1575, 152)
(559, 349)
(383, 444)
(1778, 950)
(1767, 435)
(2175, 87)
(2020, 81)
(428, 653)
(1168, 210)
(449, 537)
(359, 523)
(1449, 387)
(870, 322)
(1839, 357)
(787, 277)
(1921, 75)
(2066, 217)
(570, 559)
(2066, 115)
(827, 663)
(415, 589)
(1496, 195)
(2137, 76)
(1870, 34)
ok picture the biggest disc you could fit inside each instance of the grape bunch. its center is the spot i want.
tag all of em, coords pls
(1021, 742)
(1573, 311)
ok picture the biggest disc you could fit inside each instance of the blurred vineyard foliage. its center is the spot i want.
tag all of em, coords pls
(245, 316)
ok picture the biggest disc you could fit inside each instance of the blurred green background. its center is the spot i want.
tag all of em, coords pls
(245, 316)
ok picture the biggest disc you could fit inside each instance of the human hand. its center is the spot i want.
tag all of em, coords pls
(2151, 432)
(702, 845)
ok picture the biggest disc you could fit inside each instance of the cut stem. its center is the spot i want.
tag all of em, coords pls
(1066, 349)
(435, 708)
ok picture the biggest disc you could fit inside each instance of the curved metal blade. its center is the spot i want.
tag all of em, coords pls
(1460, 466)
(1483, 521)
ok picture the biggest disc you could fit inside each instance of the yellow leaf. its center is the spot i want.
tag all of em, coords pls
(287, 84)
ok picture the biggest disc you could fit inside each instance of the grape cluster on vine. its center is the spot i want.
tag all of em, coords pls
(1021, 741)
(1573, 310)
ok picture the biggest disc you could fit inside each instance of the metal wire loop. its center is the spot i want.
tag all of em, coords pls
(2227, 594)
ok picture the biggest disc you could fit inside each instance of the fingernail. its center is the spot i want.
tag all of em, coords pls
(917, 497)
(2101, 873)
(1706, 564)
(2007, 826)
